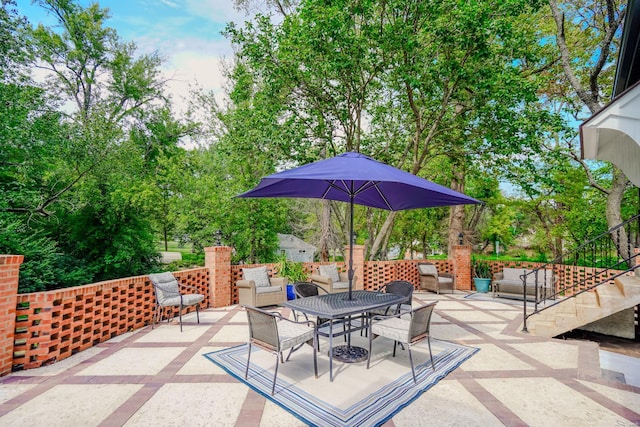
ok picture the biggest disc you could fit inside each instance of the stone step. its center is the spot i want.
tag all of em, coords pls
(566, 321)
(588, 298)
(567, 306)
(609, 289)
(545, 329)
(629, 284)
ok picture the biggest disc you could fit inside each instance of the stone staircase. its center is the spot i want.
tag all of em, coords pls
(600, 302)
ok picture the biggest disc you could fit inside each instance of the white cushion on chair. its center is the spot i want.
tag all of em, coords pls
(340, 285)
(292, 334)
(267, 289)
(259, 275)
(394, 328)
(330, 271)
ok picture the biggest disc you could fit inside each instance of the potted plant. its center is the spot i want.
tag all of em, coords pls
(293, 271)
(481, 275)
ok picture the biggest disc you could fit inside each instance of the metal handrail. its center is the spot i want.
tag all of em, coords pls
(600, 248)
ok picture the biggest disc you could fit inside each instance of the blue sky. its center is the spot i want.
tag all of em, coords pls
(186, 33)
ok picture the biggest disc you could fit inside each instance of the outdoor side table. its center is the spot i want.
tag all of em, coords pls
(338, 306)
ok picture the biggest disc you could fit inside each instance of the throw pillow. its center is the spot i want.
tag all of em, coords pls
(427, 269)
(258, 275)
(329, 271)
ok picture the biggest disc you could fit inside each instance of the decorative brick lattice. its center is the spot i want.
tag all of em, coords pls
(377, 273)
(54, 325)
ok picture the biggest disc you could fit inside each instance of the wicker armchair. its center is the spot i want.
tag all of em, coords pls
(431, 280)
(397, 287)
(331, 279)
(167, 290)
(257, 289)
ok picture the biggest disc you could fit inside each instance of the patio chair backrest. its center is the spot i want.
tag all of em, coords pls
(166, 286)
(420, 322)
(427, 268)
(263, 328)
(399, 287)
(307, 289)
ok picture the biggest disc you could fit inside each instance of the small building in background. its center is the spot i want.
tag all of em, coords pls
(296, 249)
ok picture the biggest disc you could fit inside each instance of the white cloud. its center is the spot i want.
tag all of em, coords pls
(170, 4)
(187, 69)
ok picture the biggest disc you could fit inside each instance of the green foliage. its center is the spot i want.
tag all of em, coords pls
(188, 261)
(44, 267)
(294, 271)
(73, 181)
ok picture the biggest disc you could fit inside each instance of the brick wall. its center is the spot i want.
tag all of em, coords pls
(51, 326)
(217, 260)
(9, 274)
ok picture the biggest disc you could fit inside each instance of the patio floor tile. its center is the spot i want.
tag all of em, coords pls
(191, 405)
(537, 400)
(171, 333)
(495, 359)
(449, 403)
(71, 405)
(232, 333)
(134, 361)
(556, 355)
(200, 365)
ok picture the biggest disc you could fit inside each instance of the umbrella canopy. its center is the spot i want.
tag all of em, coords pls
(361, 180)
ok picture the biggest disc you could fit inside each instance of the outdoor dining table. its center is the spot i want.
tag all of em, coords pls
(338, 308)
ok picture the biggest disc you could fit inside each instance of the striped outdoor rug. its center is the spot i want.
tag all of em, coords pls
(357, 396)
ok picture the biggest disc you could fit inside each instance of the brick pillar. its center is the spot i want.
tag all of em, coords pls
(218, 260)
(461, 255)
(9, 274)
(637, 270)
(358, 264)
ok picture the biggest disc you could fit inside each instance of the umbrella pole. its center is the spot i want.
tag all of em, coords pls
(351, 248)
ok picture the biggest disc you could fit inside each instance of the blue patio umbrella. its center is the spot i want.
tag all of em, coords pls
(358, 179)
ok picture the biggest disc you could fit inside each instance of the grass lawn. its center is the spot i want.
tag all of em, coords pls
(173, 246)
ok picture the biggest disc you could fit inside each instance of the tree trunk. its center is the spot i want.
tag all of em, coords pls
(614, 217)
(377, 243)
(456, 213)
(456, 225)
(325, 231)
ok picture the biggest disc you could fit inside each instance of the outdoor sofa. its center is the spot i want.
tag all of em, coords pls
(508, 283)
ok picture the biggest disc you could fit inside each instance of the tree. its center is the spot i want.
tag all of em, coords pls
(243, 147)
(406, 82)
(587, 36)
(89, 66)
(74, 153)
